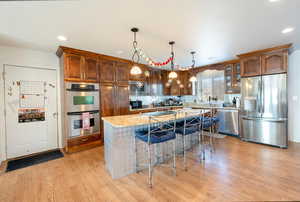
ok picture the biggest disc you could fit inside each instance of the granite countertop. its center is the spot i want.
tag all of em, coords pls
(138, 119)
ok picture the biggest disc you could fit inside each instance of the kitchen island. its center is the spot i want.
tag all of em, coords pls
(123, 153)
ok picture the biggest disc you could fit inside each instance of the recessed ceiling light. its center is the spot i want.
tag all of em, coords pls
(287, 30)
(273, 1)
(62, 38)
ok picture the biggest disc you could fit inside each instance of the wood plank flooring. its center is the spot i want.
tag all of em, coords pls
(237, 171)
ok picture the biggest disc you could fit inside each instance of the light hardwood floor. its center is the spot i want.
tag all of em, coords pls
(237, 171)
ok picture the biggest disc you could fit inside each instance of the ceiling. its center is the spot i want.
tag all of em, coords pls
(216, 29)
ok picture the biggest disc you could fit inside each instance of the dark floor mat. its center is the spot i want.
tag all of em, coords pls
(32, 160)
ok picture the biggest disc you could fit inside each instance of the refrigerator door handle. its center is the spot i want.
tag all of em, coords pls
(262, 97)
(264, 119)
(259, 96)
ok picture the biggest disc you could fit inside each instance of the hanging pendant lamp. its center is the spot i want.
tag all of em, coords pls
(193, 77)
(135, 69)
(172, 74)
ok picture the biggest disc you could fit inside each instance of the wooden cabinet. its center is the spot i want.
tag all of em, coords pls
(122, 72)
(232, 78)
(264, 62)
(80, 68)
(107, 71)
(275, 62)
(73, 70)
(251, 66)
(107, 96)
(91, 69)
(113, 72)
(122, 99)
(114, 100)
(166, 87)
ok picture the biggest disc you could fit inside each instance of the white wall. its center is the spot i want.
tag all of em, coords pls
(294, 96)
(29, 58)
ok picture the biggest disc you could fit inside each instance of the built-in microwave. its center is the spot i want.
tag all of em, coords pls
(82, 97)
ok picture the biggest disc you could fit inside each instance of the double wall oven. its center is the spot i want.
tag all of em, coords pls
(82, 105)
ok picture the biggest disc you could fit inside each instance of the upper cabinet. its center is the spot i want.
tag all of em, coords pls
(91, 69)
(232, 77)
(265, 62)
(251, 66)
(78, 67)
(275, 62)
(122, 72)
(113, 72)
(107, 71)
(73, 67)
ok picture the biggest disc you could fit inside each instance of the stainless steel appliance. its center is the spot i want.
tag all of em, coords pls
(264, 110)
(229, 122)
(75, 125)
(82, 97)
(138, 104)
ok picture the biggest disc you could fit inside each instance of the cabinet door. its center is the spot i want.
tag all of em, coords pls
(165, 86)
(251, 66)
(91, 70)
(73, 68)
(122, 100)
(107, 71)
(274, 63)
(122, 73)
(107, 94)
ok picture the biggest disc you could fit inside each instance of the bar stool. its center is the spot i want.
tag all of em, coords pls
(158, 131)
(189, 125)
(208, 122)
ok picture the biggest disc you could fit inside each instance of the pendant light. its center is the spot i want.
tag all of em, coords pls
(193, 77)
(172, 74)
(135, 69)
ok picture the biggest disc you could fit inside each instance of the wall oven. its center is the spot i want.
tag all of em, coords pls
(82, 97)
(75, 123)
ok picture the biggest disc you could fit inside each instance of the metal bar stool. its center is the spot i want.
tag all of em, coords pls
(158, 131)
(191, 124)
(208, 122)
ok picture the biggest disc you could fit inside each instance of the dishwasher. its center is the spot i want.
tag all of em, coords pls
(229, 122)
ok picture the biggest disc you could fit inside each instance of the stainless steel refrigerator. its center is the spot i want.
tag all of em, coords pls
(264, 110)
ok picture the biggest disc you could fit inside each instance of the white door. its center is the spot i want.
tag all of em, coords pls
(31, 110)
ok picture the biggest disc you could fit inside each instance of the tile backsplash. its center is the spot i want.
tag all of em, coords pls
(147, 100)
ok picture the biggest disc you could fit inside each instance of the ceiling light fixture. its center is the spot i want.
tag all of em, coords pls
(135, 70)
(62, 38)
(193, 77)
(272, 1)
(287, 30)
(172, 74)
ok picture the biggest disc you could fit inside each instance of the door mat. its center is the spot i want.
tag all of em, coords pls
(33, 160)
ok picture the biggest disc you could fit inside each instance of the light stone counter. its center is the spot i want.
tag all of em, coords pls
(124, 154)
(137, 119)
